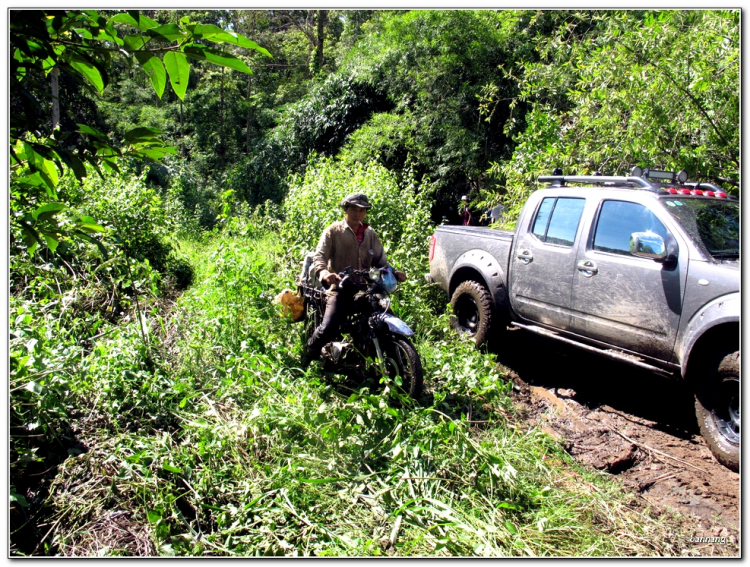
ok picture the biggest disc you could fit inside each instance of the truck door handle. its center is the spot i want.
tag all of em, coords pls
(525, 256)
(587, 268)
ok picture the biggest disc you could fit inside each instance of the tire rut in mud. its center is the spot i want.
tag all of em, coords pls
(636, 426)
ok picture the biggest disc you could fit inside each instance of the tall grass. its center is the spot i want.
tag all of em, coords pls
(261, 457)
(199, 433)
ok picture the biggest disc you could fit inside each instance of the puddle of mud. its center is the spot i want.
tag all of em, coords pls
(638, 427)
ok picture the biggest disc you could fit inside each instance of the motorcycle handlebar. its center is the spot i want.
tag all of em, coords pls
(347, 272)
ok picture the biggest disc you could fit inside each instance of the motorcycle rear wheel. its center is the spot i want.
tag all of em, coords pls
(402, 360)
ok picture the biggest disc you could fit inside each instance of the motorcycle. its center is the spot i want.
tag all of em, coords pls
(375, 343)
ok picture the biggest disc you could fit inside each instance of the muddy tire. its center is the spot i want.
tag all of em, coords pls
(472, 311)
(402, 360)
(717, 406)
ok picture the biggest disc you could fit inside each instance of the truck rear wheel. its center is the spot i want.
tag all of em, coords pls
(717, 406)
(472, 311)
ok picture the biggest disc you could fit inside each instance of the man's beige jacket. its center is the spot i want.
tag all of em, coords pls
(338, 249)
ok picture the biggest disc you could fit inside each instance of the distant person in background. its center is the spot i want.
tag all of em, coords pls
(465, 212)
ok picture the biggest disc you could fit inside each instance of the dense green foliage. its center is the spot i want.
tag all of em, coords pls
(614, 90)
(157, 403)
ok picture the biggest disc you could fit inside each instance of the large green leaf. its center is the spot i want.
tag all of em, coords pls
(49, 169)
(155, 153)
(241, 41)
(133, 18)
(47, 210)
(84, 129)
(87, 69)
(155, 70)
(110, 165)
(179, 72)
(215, 33)
(74, 163)
(205, 30)
(51, 241)
(172, 32)
(33, 180)
(218, 57)
(134, 43)
(94, 241)
(143, 133)
(31, 238)
(39, 164)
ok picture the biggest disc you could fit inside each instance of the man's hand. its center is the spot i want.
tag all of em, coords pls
(400, 276)
(331, 279)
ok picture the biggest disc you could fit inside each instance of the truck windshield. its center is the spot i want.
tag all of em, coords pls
(711, 223)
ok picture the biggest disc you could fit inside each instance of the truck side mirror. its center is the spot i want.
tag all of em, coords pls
(651, 245)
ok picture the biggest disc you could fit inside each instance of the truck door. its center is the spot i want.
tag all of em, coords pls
(618, 298)
(543, 262)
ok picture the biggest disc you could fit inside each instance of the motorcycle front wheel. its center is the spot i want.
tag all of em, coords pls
(402, 361)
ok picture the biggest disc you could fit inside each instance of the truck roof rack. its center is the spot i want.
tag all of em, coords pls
(630, 181)
(655, 181)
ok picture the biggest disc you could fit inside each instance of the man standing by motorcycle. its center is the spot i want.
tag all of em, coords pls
(347, 243)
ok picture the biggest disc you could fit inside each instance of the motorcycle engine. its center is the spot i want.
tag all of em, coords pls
(335, 351)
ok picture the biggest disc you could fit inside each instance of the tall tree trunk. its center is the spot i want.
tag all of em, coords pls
(250, 108)
(322, 19)
(249, 114)
(55, 79)
(221, 118)
(182, 131)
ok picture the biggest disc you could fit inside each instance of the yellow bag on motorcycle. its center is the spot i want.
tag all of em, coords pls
(293, 305)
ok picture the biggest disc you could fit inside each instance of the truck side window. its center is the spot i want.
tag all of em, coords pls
(618, 220)
(557, 220)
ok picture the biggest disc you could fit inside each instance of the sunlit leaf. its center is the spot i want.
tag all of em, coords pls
(142, 132)
(47, 210)
(240, 41)
(135, 19)
(87, 69)
(51, 241)
(179, 72)
(94, 241)
(51, 171)
(19, 499)
(217, 57)
(134, 43)
(91, 227)
(155, 70)
(172, 32)
(84, 129)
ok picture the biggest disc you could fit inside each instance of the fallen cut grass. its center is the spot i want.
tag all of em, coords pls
(237, 451)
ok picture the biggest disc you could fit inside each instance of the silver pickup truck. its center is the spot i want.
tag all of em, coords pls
(644, 269)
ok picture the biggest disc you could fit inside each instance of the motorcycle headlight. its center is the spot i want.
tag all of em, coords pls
(374, 274)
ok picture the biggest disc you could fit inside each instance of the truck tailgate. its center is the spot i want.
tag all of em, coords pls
(451, 242)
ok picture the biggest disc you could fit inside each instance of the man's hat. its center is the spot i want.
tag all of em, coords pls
(357, 199)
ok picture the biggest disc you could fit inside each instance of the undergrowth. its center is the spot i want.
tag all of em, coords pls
(261, 457)
(191, 429)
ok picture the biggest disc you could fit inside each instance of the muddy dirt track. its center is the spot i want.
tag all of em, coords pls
(637, 426)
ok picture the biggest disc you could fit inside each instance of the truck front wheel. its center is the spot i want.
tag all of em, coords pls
(472, 311)
(717, 405)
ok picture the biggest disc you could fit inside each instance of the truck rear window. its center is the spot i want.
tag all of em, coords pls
(557, 219)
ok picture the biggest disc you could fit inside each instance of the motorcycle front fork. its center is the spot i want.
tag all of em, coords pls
(381, 358)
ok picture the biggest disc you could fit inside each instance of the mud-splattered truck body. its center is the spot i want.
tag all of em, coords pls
(641, 270)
